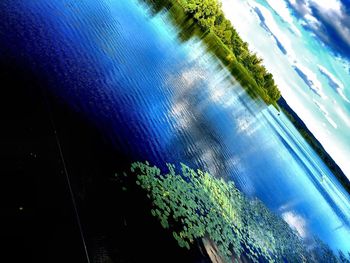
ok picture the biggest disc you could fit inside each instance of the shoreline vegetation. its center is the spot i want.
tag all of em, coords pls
(205, 19)
(195, 206)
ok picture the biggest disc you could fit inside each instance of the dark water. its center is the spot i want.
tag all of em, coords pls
(161, 100)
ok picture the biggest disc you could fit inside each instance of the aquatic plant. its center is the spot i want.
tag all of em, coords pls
(196, 205)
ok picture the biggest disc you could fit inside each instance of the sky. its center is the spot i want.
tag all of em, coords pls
(305, 44)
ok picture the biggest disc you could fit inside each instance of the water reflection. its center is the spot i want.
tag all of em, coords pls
(159, 98)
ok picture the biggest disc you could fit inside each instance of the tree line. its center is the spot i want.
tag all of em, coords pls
(211, 18)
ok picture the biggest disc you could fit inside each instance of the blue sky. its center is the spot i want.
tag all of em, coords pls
(305, 44)
(329, 20)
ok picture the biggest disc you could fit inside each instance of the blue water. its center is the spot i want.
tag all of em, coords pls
(302, 65)
(158, 99)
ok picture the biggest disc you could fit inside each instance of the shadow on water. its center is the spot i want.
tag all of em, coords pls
(117, 225)
(38, 222)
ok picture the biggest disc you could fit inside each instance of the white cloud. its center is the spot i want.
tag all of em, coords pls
(331, 77)
(312, 21)
(276, 31)
(321, 107)
(334, 82)
(301, 6)
(296, 222)
(281, 8)
(326, 114)
(310, 78)
(345, 117)
(328, 6)
(323, 17)
(331, 121)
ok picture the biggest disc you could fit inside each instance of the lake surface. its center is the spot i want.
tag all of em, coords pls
(310, 76)
(162, 100)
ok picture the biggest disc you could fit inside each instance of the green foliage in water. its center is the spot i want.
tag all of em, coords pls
(224, 41)
(195, 205)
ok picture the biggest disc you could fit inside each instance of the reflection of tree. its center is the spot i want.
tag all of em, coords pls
(205, 18)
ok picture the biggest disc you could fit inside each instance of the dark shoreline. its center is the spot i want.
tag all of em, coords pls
(314, 143)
